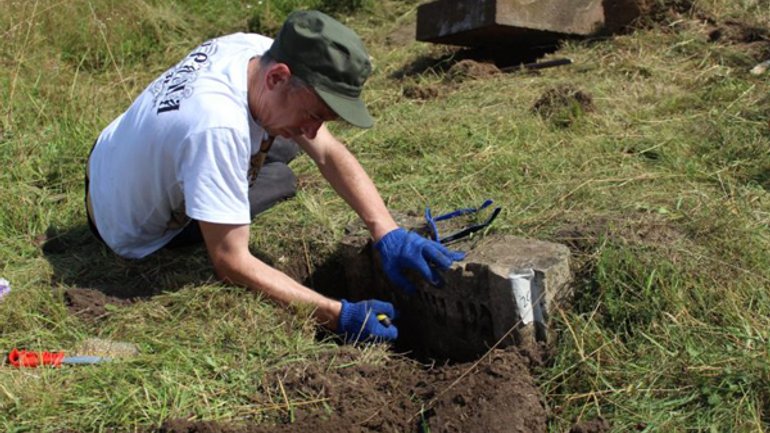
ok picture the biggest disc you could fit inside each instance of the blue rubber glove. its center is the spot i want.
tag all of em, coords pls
(358, 321)
(401, 250)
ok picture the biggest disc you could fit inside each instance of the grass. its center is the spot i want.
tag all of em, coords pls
(666, 182)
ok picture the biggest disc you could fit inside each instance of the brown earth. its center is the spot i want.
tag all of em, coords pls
(424, 92)
(599, 425)
(624, 16)
(750, 38)
(496, 394)
(90, 305)
(401, 36)
(471, 69)
(563, 105)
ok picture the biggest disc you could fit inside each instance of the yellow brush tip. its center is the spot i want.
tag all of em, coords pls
(384, 319)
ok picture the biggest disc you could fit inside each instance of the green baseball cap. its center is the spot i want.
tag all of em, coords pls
(328, 56)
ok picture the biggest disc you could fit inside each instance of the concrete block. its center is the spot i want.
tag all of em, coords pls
(513, 22)
(478, 304)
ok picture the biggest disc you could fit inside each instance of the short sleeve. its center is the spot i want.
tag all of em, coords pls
(213, 168)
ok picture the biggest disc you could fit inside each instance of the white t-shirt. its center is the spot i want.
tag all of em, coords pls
(181, 150)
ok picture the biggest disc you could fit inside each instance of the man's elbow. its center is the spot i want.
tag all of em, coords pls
(226, 268)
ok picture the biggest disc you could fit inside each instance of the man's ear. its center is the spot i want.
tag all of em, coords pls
(277, 74)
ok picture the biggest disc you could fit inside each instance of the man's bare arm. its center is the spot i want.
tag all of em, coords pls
(399, 249)
(228, 248)
(349, 179)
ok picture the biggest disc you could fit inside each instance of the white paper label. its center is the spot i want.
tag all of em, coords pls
(521, 284)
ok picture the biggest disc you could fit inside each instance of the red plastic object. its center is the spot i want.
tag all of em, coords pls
(25, 358)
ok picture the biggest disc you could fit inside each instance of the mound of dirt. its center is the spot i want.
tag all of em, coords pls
(624, 15)
(496, 394)
(425, 92)
(750, 40)
(485, 400)
(89, 304)
(471, 69)
(563, 105)
(738, 33)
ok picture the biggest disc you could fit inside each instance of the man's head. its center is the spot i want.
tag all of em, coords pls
(284, 104)
(330, 58)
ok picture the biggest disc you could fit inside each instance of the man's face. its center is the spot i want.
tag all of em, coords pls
(295, 111)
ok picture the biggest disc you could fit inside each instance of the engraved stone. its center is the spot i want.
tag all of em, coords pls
(477, 306)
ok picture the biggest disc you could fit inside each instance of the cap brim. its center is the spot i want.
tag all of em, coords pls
(351, 110)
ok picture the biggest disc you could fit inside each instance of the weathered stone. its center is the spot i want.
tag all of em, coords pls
(476, 307)
(510, 22)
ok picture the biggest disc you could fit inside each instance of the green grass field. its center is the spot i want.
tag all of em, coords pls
(660, 190)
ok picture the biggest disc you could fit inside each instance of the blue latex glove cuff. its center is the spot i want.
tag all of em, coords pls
(358, 321)
(400, 249)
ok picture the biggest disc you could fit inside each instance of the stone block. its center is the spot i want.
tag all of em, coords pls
(516, 22)
(478, 305)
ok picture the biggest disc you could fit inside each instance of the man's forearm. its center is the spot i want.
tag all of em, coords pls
(276, 285)
(349, 180)
(353, 184)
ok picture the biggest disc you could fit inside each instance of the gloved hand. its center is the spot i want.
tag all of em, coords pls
(358, 321)
(401, 250)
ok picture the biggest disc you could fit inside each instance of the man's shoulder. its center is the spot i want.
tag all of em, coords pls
(213, 103)
(251, 40)
(219, 117)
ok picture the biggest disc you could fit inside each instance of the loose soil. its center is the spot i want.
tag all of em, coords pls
(563, 105)
(425, 92)
(496, 394)
(90, 305)
(471, 69)
(594, 426)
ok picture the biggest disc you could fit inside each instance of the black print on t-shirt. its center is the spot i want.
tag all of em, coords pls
(175, 85)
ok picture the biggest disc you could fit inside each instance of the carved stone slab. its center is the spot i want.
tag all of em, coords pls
(482, 301)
